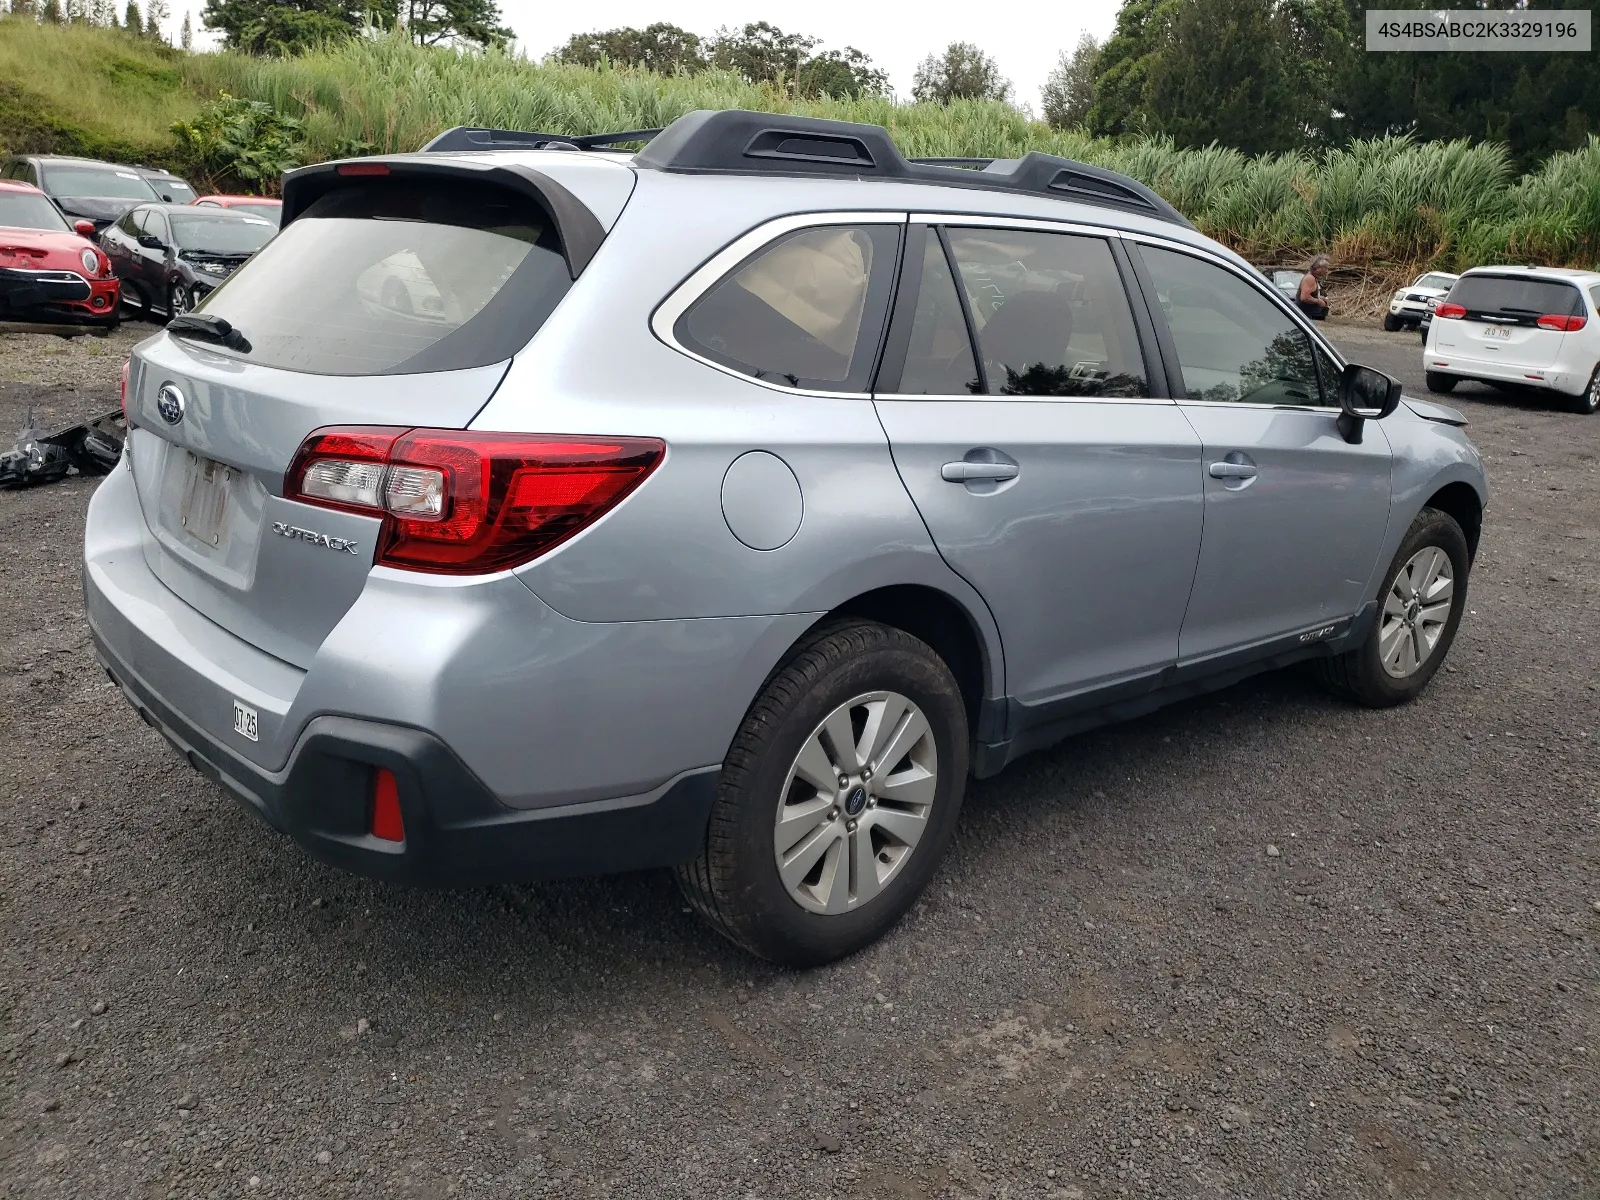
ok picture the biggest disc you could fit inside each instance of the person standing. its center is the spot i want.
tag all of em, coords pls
(1309, 297)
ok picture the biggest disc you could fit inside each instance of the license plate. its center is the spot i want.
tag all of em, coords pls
(244, 721)
(1497, 333)
(203, 512)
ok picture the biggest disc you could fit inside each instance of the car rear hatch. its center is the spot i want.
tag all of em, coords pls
(1515, 320)
(395, 296)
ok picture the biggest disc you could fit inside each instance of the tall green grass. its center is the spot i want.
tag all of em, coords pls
(1386, 203)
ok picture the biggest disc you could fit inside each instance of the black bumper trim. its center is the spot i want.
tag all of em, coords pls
(456, 830)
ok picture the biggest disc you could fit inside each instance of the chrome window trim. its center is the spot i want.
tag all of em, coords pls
(986, 398)
(711, 272)
(1274, 296)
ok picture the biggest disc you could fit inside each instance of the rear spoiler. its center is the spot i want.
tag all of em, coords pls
(579, 229)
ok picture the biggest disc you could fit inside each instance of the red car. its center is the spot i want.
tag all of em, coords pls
(48, 273)
(256, 206)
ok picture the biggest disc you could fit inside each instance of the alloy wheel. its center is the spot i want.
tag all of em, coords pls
(178, 300)
(1415, 612)
(856, 802)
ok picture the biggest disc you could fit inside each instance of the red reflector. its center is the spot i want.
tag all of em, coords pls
(126, 363)
(1561, 324)
(1450, 312)
(362, 168)
(386, 822)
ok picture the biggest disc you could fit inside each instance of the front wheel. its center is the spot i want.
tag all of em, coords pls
(1440, 383)
(1588, 401)
(837, 799)
(1419, 609)
(177, 300)
(1391, 323)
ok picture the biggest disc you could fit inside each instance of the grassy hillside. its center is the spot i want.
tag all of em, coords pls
(1387, 205)
(98, 92)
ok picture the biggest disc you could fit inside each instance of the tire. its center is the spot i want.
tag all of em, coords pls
(1440, 383)
(736, 882)
(1587, 402)
(1360, 674)
(1391, 323)
(178, 301)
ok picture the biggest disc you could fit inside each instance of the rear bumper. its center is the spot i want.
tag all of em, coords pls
(1554, 378)
(456, 831)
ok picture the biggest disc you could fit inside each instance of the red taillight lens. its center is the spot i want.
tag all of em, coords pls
(386, 820)
(1450, 312)
(460, 502)
(1561, 324)
(362, 168)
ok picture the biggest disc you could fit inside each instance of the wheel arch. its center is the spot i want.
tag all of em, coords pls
(1460, 500)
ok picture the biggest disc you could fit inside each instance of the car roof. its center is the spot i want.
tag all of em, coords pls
(1570, 274)
(73, 158)
(174, 207)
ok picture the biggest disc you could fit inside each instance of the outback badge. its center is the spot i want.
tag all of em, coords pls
(284, 529)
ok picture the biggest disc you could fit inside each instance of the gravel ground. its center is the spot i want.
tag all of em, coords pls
(1258, 945)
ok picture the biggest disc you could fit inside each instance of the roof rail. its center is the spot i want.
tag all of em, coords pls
(468, 137)
(736, 141)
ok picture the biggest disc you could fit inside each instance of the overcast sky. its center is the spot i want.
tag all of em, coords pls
(1024, 40)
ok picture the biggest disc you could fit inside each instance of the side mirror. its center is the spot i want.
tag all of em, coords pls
(1365, 395)
(84, 228)
(151, 242)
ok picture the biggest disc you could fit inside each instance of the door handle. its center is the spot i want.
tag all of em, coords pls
(1232, 470)
(966, 472)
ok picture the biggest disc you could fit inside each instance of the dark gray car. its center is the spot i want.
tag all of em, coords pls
(520, 512)
(171, 256)
(83, 187)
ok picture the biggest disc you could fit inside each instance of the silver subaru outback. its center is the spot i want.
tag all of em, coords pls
(529, 508)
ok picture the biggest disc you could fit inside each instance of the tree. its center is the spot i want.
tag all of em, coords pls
(50, 12)
(430, 22)
(761, 52)
(962, 72)
(77, 11)
(1069, 90)
(662, 48)
(186, 34)
(842, 74)
(290, 26)
(103, 12)
(133, 18)
(156, 14)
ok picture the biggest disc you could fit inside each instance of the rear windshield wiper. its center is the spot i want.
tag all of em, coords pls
(208, 328)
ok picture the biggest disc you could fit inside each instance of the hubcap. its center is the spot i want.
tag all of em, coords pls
(856, 802)
(1415, 612)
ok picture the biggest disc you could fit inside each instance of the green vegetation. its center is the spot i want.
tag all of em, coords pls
(1383, 203)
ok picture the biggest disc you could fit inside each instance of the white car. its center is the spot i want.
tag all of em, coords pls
(1409, 305)
(1519, 327)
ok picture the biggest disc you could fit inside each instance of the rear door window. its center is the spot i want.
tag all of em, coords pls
(939, 359)
(1050, 314)
(805, 311)
(1515, 299)
(397, 278)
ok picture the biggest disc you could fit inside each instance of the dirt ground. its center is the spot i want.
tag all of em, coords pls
(1261, 944)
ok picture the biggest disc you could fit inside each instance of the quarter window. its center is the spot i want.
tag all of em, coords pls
(939, 358)
(1233, 343)
(1050, 314)
(805, 311)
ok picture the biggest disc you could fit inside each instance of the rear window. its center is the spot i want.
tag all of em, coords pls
(1516, 296)
(400, 278)
(29, 210)
(806, 311)
(175, 190)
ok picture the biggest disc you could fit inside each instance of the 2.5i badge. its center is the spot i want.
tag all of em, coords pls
(244, 721)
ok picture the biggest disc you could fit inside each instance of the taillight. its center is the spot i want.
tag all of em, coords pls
(126, 363)
(1451, 312)
(1561, 324)
(461, 502)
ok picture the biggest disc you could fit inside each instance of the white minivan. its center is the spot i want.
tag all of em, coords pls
(1528, 327)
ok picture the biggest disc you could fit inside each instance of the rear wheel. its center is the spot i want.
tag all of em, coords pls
(1588, 401)
(1440, 383)
(837, 799)
(1419, 609)
(1391, 322)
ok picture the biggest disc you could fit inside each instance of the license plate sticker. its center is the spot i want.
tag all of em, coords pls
(203, 511)
(244, 721)
(1498, 333)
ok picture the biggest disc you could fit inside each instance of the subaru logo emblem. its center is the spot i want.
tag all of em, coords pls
(169, 403)
(856, 800)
